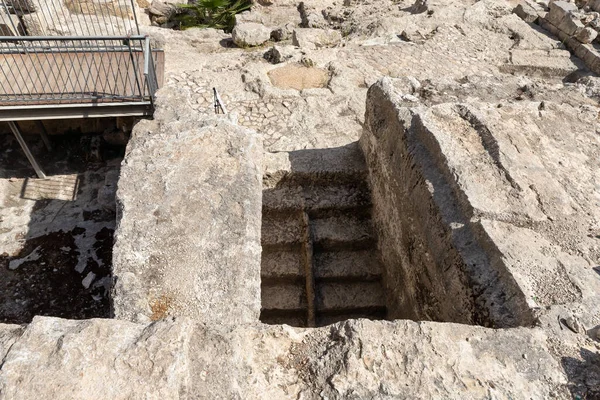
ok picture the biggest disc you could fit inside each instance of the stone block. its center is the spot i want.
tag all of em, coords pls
(50, 7)
(10, 25)
(250, 34)
(189, 219)
(114, 8)
(528, 11)
(587, 35)
(561, 16)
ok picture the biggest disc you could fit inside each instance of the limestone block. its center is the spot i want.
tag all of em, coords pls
(49, 7)
(250, 34)
(10, 25)
(561, 16)
(189, 210)
(40, 17)
(309, 38)
(526, 11)
(587, 35)
(96, 359)
(116, 8)
(161, 8)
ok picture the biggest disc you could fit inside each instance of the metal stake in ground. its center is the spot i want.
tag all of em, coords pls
(219, 105)
(15, 129)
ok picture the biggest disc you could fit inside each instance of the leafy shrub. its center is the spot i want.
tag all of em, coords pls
(218, 14)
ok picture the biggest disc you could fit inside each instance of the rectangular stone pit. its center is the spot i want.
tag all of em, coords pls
(389, 238)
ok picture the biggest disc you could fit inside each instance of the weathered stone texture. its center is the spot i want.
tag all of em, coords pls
(428, 248)
(188, 237)
(180, 359)
(97, 359)
(250, 34)
(500, 181)
(312, 38)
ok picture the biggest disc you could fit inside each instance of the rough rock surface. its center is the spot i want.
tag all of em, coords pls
(492, 125)
(188, 240)
(460, 154)
(98, 359)
(250, 34)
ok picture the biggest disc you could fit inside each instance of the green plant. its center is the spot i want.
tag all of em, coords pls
(218, 14)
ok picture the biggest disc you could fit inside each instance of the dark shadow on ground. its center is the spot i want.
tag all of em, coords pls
(64, 262)
(583, 374)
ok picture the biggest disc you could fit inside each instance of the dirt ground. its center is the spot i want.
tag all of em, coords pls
(55, 237)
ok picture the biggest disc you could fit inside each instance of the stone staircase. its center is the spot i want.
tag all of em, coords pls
(319, 259)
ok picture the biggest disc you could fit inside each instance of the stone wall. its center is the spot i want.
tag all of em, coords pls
(182, 359)
(436, 266)
(189, 219)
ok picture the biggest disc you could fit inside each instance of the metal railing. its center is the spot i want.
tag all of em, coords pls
(72, 55)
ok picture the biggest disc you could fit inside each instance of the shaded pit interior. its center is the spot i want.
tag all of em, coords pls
(57, 233)
(323, 257)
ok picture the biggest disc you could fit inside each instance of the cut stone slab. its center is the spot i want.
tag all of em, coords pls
(348, 265)
(528, 11)
(281, 230)
(540, 63)
(587, 35)
(296, 76)
(341, 232)
(561, 16)
(281, 266)
(188, 235)
(10, 24)
(531, 153)
(249, 34)
(349, 296)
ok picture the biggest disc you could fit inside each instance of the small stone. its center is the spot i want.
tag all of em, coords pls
(87, 281)
(573, 324)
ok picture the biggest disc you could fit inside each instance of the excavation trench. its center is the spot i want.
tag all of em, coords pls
(341, 240)
(57, 233)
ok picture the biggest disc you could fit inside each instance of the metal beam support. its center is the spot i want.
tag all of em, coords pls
(15, 129)
(64, 111)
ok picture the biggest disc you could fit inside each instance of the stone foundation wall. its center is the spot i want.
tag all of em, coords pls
(189, 219)
(436, 266)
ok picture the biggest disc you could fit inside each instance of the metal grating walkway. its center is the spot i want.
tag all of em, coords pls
(74, 59)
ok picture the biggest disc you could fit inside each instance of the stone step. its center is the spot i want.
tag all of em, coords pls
(282, 266)
(332, 166)
(339, 266)
(349, 297)
(283, 297)
(342, 232)
(282, 230)
(315, 198)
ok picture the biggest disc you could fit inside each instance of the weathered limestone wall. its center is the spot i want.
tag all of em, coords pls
(484, 210)
(182, 359)
(189, 219)
(436, 267)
